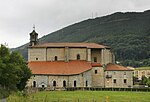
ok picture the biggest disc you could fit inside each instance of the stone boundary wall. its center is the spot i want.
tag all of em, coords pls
(92, 89)
(108, 89)
(2, 100)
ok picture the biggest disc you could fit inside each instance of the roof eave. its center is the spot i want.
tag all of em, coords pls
(118, 70)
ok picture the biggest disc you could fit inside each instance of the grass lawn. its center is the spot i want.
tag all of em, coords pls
(143, 68)
(82, 96)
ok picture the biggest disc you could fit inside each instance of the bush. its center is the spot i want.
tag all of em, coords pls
(3, 93)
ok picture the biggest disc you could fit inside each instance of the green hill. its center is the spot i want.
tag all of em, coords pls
(128, 34)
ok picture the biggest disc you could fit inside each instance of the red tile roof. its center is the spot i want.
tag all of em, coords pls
(59, 68)
(96, 65)
(86, 45)
(115, 67)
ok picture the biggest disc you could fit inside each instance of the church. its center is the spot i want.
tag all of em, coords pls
(61, 65)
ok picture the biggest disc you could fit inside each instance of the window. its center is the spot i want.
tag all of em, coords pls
(54, 83)
(37, 59)
(75, 83)
(82, 74)
(115, 81)
(34, 83)
(95, 71)
(64, 83)
(124, 73)
(148, 73)
(43, 86)
(143, 73)
(95, 59)
(78, 57)
(114, 73)
(86, 83)
(55, 58)
(125, 81)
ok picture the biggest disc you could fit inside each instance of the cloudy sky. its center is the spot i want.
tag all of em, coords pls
(18, 16)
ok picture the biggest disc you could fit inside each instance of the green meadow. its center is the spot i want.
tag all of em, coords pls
(142, 68)
(82, 96)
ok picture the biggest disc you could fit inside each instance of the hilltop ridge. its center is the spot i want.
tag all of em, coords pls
(128, 34)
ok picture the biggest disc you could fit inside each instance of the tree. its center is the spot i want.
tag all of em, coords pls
(14, 72)
(144, 80)
(23, 71)
(148, 83)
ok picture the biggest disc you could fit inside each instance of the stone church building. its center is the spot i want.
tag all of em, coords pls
(58, 65)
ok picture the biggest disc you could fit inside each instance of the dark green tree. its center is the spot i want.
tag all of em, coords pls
(23, 71)
(14, 72)
(144, 80)
(148, 83)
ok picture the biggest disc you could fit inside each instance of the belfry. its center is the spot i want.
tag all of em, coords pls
(33, 37)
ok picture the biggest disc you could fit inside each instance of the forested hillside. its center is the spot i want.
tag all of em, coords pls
(128, 34)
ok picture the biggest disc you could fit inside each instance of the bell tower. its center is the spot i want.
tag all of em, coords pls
(33, 37)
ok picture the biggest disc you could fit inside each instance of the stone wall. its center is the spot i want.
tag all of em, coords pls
(102, 56)
(52, 52)
(97, 77)
(107, 56)
(88, 54)
(96, 53)
(47, 80)
(120, 77)
(63, 54)
(36, 54)
(3, 100)
(73, 52)
(39, 79)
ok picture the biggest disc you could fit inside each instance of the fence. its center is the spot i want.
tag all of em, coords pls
(107, 89)
(33, 90)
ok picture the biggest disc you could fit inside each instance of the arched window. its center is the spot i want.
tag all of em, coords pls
(54, 83)
(34, 83)
(95, 59)
(95, 71)
(75, 83)
(78, 57)
(55, 58)
(64, 83)
(36, 58)
(115, 81)
(125, 81)
(43, 86)
(86, 83)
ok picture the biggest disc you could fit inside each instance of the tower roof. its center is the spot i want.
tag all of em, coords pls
(33, 33)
